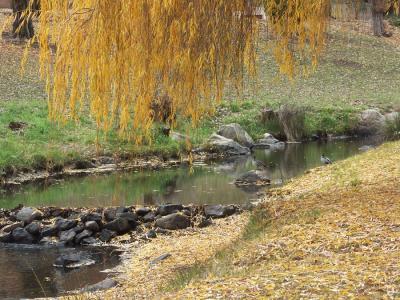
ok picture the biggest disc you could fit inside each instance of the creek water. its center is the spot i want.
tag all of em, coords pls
(28, 272)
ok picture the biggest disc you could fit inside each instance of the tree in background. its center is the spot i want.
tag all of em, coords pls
(23, 12)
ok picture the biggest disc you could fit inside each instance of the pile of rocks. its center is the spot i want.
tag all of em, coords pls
(70, 227)
(233, 140)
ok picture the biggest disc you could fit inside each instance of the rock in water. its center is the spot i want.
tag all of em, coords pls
(222, 145)
(106, 284)
(219, 211)
(254, 178)
(5, 237)
(21, 236)
(173, 222)
(237, 133)
(270, 142)
(29, 214)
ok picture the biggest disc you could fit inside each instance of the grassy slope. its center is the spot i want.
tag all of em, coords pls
(332, 233)
(351, 76)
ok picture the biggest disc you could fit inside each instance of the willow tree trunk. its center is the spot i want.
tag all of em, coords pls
(22, 26)
(378, 10)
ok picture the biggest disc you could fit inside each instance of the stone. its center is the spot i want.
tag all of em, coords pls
(13, 226)
(96, 217)
(84, 164)
(49, 231)
(151, 234)
(237, 133)
(119, 225)
(67, 236)
(204, 222)
(34, 228)
(107, 235)
(48, 241)
(168, 209)
(366, 148)
(110, 213)
(219, 211)
(173, 222)
(89, 241)
(160, 258)
(178, 137)
(64, 224)
(392, 117)
(270, 142)
(131, 217)
(72, 261)
(92, 226)
(29, 214)
(106, 284)
(149, 217)
(224, 146)
(83, 235)
(21, 236)
(142, 211)
(5, 237)
(255, 178)
(371, 122)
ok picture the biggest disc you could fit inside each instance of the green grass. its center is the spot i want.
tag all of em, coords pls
(355, 73)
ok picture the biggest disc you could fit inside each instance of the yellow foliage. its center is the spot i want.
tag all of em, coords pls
(118, 56)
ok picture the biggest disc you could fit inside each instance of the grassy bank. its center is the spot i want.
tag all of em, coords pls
(352, 76)
(331, 233)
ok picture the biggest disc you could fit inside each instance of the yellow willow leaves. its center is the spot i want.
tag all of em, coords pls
(118, 56)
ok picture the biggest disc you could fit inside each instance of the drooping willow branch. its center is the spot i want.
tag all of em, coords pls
(118, 56)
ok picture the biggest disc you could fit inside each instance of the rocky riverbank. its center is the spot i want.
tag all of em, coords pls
(63, 227)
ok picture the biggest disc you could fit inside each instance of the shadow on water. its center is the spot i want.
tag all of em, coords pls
(210, 184)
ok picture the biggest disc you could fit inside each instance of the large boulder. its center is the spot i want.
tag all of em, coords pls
(255, 178)
(111, 213)
(29, 214)
(173, 222)
(371, 122)
(237, 133)
(222, 145)
(219, 211)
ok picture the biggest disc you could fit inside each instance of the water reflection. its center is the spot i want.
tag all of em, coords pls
(204, 185)
(28, 272)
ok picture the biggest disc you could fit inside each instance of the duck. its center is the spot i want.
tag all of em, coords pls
(325, 160)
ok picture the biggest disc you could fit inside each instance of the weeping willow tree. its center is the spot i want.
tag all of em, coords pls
(116, 57)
